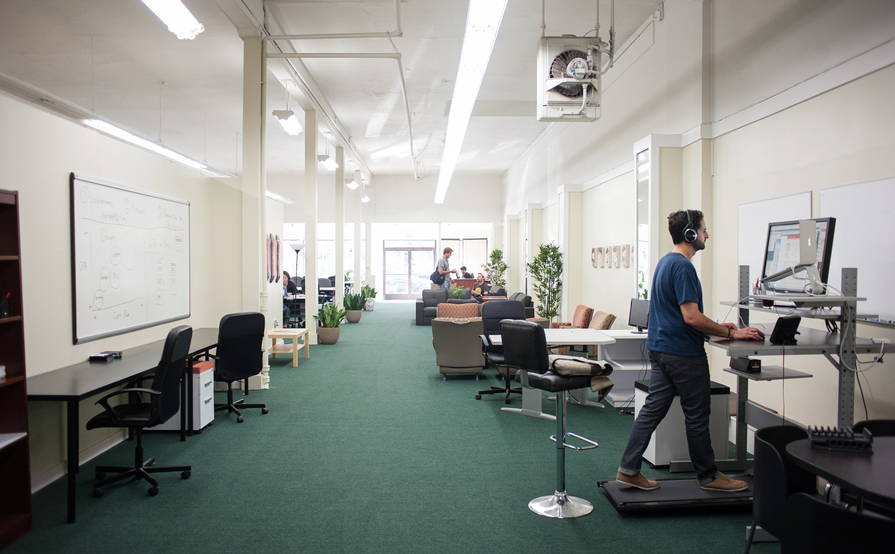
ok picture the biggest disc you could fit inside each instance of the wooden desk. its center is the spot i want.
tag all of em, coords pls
(284, 348)
(867, 476)
(80, 381)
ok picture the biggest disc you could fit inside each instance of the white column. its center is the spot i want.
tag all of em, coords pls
(340, 227)
(368, 253)
(358, 207)
(311, 224)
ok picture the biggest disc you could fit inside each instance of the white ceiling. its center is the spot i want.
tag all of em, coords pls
(116, 59)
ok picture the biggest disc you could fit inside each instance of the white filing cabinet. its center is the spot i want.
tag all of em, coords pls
(203, 400)
(669, 441)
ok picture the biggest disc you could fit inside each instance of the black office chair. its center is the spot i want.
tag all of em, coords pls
(525, 347)
(163, 402)
(811, 525)
(238, 356)
(492, 314)
(775, 478)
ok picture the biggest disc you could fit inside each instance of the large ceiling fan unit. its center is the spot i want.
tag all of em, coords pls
(568, 79)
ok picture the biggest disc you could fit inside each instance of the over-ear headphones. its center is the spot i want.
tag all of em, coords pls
(690, 233)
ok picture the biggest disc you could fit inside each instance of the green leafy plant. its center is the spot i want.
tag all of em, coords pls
(641, 285)
(546, 270)
(496, 268)
(331, 315)
(367, 291)
(457, 292)
(354, 302)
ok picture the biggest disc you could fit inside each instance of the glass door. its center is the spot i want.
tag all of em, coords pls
(407, 270)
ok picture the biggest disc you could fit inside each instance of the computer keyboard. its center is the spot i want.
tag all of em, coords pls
(834, 438)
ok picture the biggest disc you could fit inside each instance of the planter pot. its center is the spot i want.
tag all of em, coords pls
(353, 316)
(368, 304)
(328, 335)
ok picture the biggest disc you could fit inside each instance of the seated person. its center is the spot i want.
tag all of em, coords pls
(463, 273)
(480, 288)
(288, 286)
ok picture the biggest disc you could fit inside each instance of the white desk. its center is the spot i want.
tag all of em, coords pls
(532, 398)
(629, 360)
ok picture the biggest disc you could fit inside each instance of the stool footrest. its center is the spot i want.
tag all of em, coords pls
(590, 444)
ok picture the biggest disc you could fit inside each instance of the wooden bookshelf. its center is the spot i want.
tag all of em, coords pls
(15, 465)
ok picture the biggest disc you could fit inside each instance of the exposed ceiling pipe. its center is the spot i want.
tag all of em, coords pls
(368, 55)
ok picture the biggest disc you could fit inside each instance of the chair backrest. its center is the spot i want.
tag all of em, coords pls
(497, 310)
(169, 373)
(582, 316)
(879, 427)
(239, 346)
(497, 291)
(524, 345)
(434, 297)
(775, 478)
(324, 282)
(601, 321)
(812, 525)
(448, 309)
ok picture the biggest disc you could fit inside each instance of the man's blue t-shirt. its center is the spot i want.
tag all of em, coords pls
(674, 283)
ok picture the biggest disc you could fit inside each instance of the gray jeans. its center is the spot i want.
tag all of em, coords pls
(687, 376)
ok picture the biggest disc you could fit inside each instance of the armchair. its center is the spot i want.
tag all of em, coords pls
(457, 345)
(427, 306)
(162, 404)
(526, 303)
(581, 319)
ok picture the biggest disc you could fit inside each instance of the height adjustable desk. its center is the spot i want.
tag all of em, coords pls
(83, 380)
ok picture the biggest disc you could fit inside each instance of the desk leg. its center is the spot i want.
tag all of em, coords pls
(304, 338)
(73, 448)
(531, 402)
(273, 346)
(183, 407)
(186, 405)
(295, 352)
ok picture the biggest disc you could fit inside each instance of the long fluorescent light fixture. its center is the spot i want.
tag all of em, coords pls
(482, 24)
(274, 196)
(114, 131)
(177, 17)
(288, 120)
(328, 162)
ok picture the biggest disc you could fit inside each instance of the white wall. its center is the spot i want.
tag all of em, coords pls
(38, 151)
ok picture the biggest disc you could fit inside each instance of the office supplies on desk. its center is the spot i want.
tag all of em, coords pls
(834, 438)
(102, 357)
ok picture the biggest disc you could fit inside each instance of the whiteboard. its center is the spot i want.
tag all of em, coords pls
(865, 214)
(752, 226)
(130, 259)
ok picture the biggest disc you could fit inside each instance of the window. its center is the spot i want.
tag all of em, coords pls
(473, 253)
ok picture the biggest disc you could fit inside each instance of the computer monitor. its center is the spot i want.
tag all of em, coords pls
(638, 316)
(783, 251)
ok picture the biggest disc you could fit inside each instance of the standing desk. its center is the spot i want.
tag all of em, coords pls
(83, 380)
(532, 398)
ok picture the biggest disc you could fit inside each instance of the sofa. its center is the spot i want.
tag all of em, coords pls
(526, 302)
(427, 306)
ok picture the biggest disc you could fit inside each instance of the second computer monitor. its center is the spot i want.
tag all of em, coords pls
(638, 316)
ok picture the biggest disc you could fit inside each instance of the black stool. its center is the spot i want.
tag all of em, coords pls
(525, 348)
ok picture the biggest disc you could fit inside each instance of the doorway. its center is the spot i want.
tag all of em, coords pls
(407, 266)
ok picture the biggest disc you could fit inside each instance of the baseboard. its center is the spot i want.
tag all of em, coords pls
(40, 481)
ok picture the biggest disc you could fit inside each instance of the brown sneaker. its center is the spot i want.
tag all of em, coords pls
(640, 481)
(724, 483)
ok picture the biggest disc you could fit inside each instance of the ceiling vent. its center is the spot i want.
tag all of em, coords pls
(569, 79)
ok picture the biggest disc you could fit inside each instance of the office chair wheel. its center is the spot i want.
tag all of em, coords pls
(264, 410)
(478, 397)
(506, 400)
(239, 419)
(185, 475)
(153, 491)
(98, 493)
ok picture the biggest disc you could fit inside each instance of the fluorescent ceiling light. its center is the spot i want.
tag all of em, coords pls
(114, 131)
(365, 199)
(274, 196)
(289, 122)
(177, 17)
(352, 184)
(328, 162)
(482, 24)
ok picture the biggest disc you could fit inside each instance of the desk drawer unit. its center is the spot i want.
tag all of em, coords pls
(203, 400)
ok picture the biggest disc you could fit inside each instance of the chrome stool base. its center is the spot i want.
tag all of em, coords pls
(560, 506)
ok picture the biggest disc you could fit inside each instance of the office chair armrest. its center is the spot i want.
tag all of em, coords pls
(205, 352)
(104, 401)
(486, 340)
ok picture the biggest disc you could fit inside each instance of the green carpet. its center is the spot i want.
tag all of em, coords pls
(367, 449)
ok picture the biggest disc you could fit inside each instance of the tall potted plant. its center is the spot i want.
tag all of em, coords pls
(354, 307)
(496, 268)
(546, 270)
(330, 318)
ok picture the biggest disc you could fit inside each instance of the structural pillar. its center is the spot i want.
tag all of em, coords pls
(311, 224)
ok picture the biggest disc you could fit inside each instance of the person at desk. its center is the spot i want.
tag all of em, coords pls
(444, 268)
(480, 288)
(677, 332)
(288, 286)
(463, 273)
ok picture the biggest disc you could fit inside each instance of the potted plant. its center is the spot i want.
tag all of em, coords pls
(496, 268)
(329, 318)
(354, 307)
(546, 270)
(458, 292)
(369, 294)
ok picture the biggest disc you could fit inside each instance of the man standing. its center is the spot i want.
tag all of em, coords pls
(444, 268)
(677, 330)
